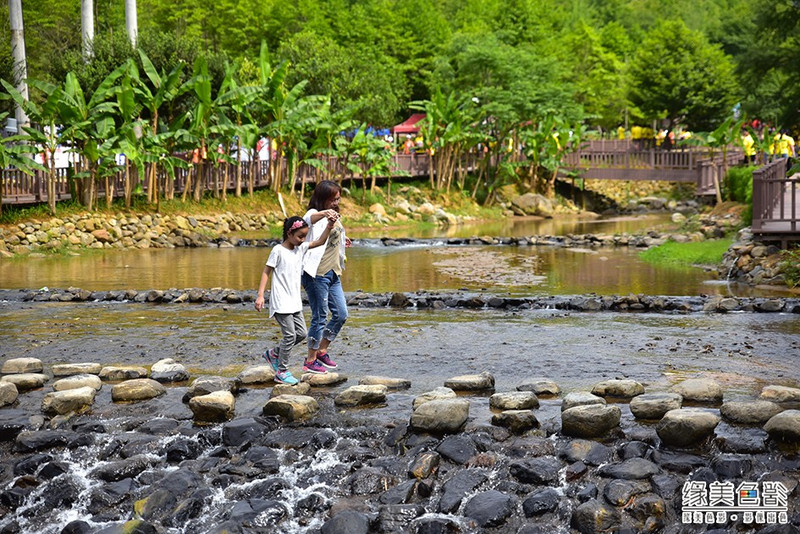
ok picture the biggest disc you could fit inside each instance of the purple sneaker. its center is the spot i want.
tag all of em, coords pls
(325, 360)
(271, 359)
(314, 367)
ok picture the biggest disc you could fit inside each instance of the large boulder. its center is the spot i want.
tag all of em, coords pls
(532, 204)
(439, 393)
(22, 365)
(516, 421)
(440, 416)
(514, 400)
(541, 386)
(580, 398)
(686, 426)
(258, 374)
(590, 421)
(481, 382)
(702, 390)
(8, 393)
(361, 395)
(594, 517)
(78, 381)
(654, 405)
(622, 388)
(780, 394)
(328, 379)
(291, 407)
(122, 372)
(301, 388)
(391, 383)
(749, 412)
(69, 369)
(203, 385)
(136, 390)
(213, 407)
(785, 426)
(168, 370)
(68, 401)
(26, 381)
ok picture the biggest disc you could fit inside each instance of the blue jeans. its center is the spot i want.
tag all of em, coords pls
(325, 292)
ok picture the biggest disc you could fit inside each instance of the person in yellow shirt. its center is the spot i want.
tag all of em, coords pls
(621, 133)
(784, 145)
(748, 143)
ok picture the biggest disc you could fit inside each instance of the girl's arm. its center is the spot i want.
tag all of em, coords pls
(316, 217)
(324, 237)
(262, 287)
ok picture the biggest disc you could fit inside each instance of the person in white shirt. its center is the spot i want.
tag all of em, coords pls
(285, 265)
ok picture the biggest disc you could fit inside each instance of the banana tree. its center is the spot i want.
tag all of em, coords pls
(726, 134)
(202, 120)
(15, 151)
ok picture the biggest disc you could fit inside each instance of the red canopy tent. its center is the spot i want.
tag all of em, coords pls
(409, 126)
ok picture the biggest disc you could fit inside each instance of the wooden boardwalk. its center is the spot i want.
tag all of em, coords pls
(776, 203)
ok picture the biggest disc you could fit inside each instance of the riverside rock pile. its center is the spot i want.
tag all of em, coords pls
(315, 460)
(752, 262)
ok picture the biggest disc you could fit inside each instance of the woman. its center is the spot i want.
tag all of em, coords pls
(322, 271)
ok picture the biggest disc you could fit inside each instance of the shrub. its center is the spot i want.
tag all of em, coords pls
(740, 189)
(791, 266)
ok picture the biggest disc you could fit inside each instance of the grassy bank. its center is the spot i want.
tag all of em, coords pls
(685, 254)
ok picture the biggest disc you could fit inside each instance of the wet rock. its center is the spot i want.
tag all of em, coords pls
(439, 393)
(292, 407)
(258, 374)
(21, 365)
(540, 386)
(156, 506)
(440, 416)
(590, 452)
(633, 449)
(69, 369)
(595, 517)
(182, 449)
(631, 469)
(436, 525)
(301, 388)
(30, 464)
(785, 426)
(686, 426)
(730, 466)
(458, 449)
(667, 485)
(204, 385)
(653, 406)
(78, 381)
(699, 390)
(620, 492)
(370, 480)
(754, 441)
(678, 462)
(68, 401)
(119, 470)
(159, 426)
(580, 398)
(516, 421)
(25, 381)
(214, 407)
(490, 508)
(399, 494)
(514, 400)
(399, 300)
(721, 304)
(541, 502)
(138, 389)
(391, 383)
(397, 517)
(168, 370)
(749, 412)
(459, 486)
(481, 382)
(241, 431)
(328, 379)
(77, 527)
(36, 440)
(8, 393)
(347, 522)
(589, 421)
(115, 373)
(648, 508)
(618, 388)
(780, 394)
(361, 395)
(541, 471)
(424, 465)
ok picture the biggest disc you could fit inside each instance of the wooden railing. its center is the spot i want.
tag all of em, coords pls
(775, 201)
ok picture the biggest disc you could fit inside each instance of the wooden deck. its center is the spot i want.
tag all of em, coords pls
(776, 203)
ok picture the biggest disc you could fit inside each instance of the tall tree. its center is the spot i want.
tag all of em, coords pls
(20, 59)
(131, 21)
(87, 27)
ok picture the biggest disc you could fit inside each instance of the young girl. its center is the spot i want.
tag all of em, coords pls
(285, 265)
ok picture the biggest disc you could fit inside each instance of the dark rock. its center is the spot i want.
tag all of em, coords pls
(704, 474)
(77, 527)
(575, 471)
(729, 466)
(396, 517)
(29, 464)
(647, 506)
(53, 469)
(114, 471)
(536, 470)
(264, 459)
(675, 461)
(156, 506)
(61, 495)
(240, 431)
(633, 449)
(424, 465)
(436, 525)
(110, 494)
(158, 427)
(290, 438)
(399, 494)
(525, 447)
(369, 480)
(754, 441)
(184, 449)
(632, 469)
(540, 502)
(586, 451)
(180, 482)
(29, 441)
(454, 490)
(595, 517)
(490, 508)
(619, 492)
(589, 491)
(12, 422)
(458, 448)
(347, 522)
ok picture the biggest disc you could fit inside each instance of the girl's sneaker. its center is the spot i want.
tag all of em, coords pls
(325, 360)
(271, 359)
(285, 377)
(314, 367)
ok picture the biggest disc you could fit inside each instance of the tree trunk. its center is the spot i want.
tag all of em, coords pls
(131, 23)
(87, 28)
(109, 191)
(20, 62)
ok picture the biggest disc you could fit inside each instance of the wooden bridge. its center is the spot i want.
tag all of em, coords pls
(776, 203)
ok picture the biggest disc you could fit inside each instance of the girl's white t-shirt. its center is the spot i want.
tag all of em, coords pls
(287, 265)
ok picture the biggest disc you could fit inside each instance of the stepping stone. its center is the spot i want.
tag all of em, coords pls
(516, 421)
(785, 426)
(699, 390)
(212, 408)
(654, 405)
(439, 393)
(69, 369)
(137, 389)
(68, 401)
(301, 388)
(391, 383)
(361, 395)
(618, 388)
(78, 381)
(259, 374)
(590, 421)
(291, 407)
(580, 398)
(324, 379)
(780, 394)
(481, 382)
(541, 386)
(514, 400)
(168, 370)
(22, 365)
(749, 412)
(203, 385)
(686, 426)
(440, 416)
(26, 381)
(8, 393)
(122, 372)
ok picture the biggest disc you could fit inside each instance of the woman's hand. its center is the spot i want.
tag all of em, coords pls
(347, 242)
(260, 303)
